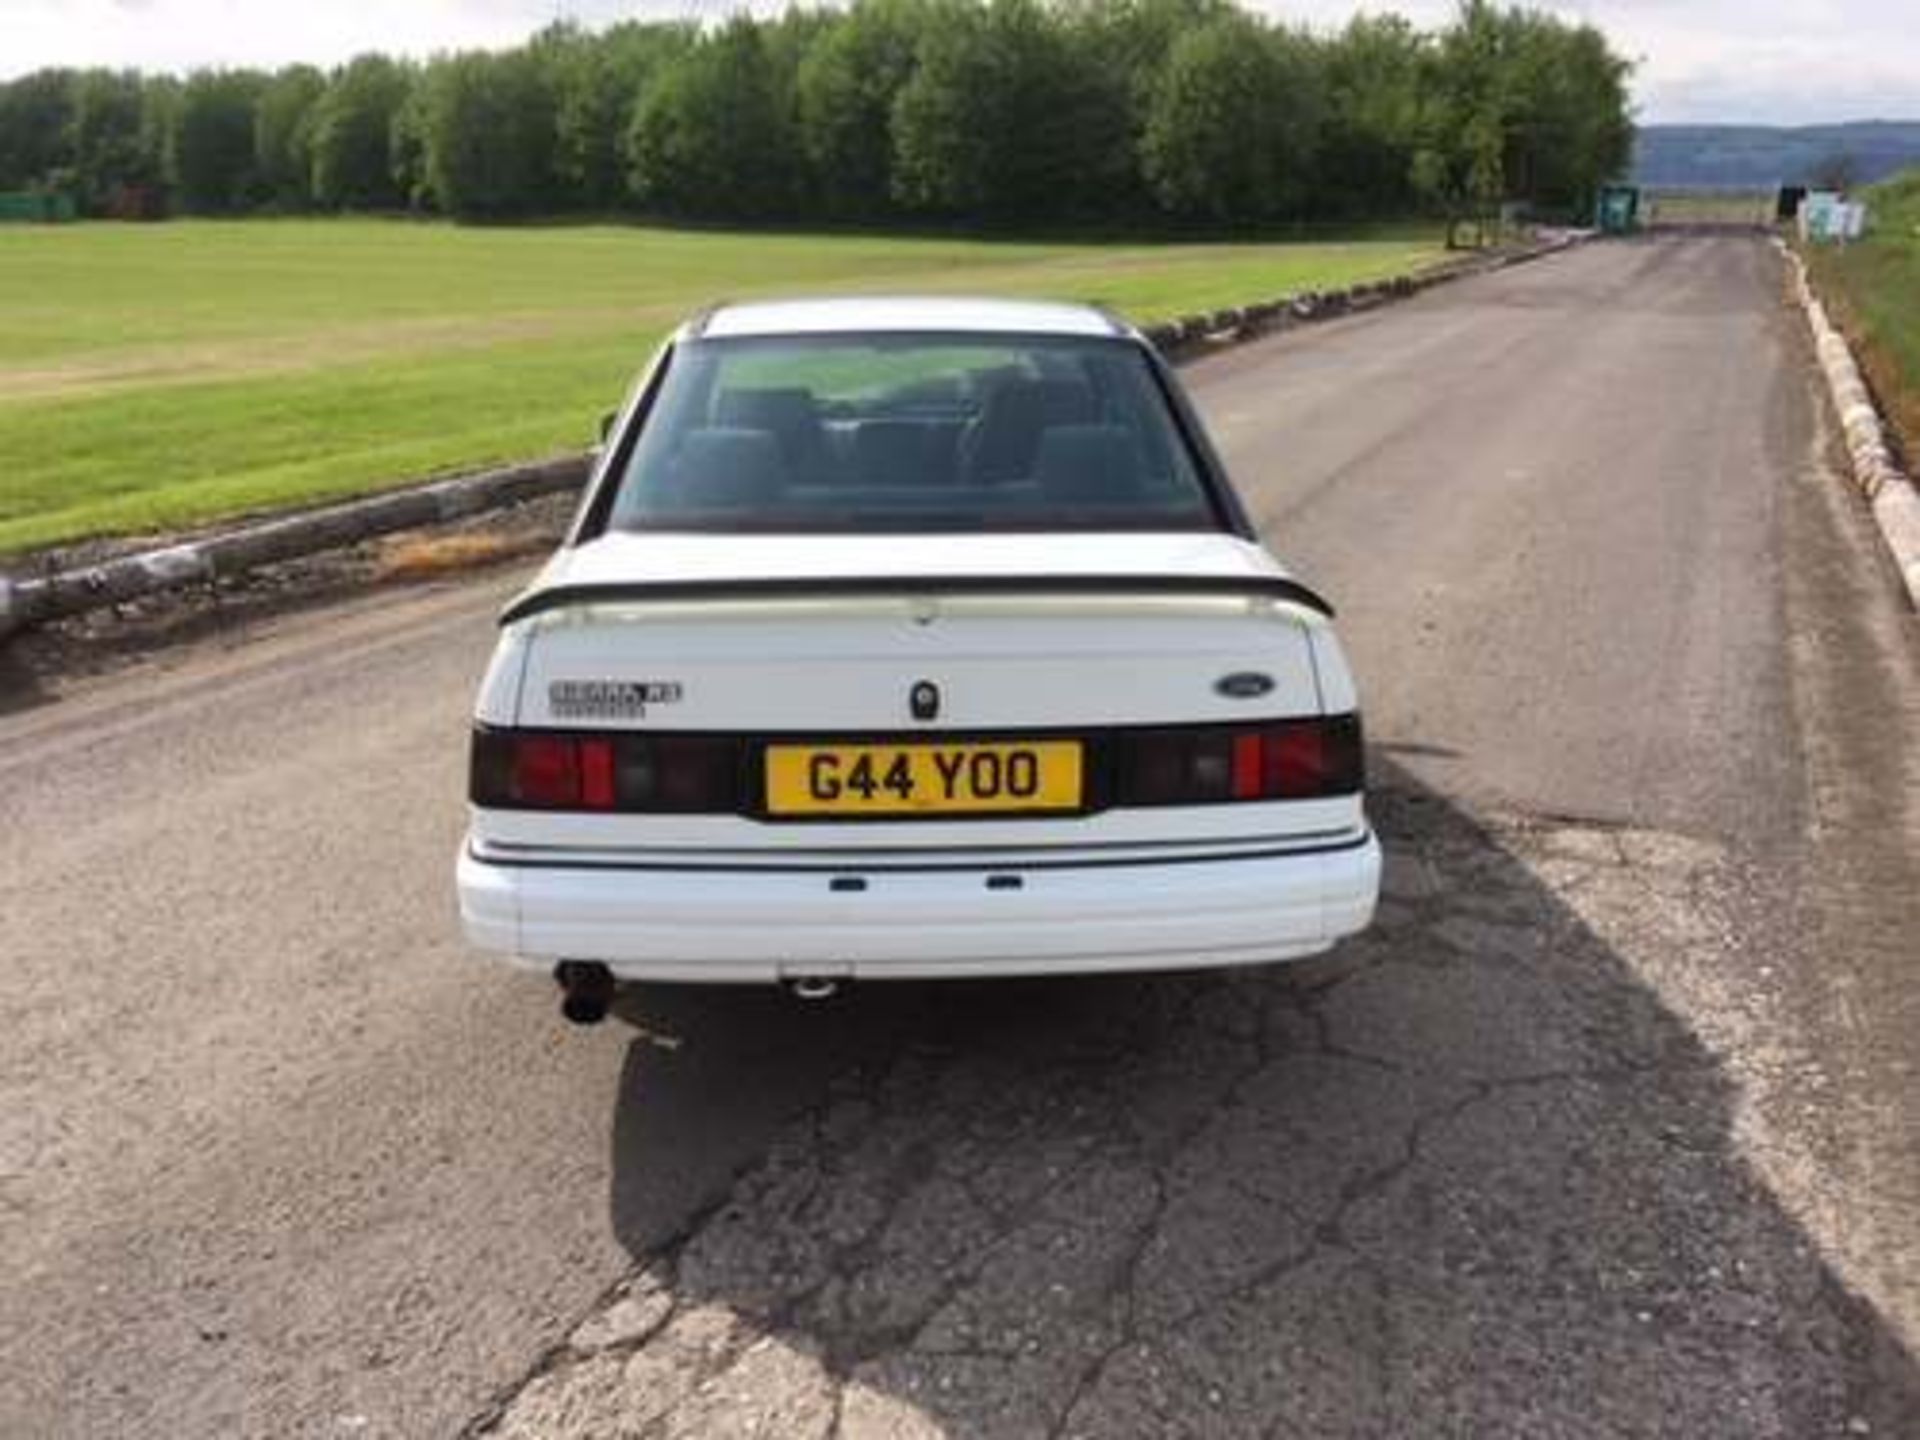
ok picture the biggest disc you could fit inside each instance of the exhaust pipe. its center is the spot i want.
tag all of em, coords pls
(586, 990)
(813, 987)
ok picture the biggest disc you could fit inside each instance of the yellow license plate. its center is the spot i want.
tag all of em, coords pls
(924, 779)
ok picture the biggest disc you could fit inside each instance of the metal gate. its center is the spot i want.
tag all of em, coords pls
(1675, 208)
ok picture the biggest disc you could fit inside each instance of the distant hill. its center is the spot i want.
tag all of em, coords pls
(1763, 155)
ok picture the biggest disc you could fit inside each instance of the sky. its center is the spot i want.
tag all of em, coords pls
(1748, 61)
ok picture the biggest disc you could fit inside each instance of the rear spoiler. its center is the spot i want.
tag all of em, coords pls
(560, 597)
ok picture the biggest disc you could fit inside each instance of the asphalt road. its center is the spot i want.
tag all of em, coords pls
(1612, 1126)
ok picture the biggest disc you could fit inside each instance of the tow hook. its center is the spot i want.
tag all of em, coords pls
(586, 988)
(813, 987)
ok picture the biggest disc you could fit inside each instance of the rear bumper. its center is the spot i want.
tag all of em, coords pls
(745, 924)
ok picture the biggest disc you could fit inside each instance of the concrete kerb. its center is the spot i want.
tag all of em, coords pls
(69, 592)
(1890, 493)
(36, 599)
(1189, 336)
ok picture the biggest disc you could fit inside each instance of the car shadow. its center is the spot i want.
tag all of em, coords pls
(1469, 1175)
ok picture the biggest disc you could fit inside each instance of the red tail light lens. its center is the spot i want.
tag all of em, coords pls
(1249, 765)
(560, 770)
(1283, 760)
(597, 791)
(546, 771)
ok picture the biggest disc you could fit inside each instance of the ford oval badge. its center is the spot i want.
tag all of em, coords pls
(1244, 685)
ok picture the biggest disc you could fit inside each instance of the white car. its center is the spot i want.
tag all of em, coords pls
(911, 638)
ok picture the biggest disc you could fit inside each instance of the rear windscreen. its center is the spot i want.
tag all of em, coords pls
(892, 433)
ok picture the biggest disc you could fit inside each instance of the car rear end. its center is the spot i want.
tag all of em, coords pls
(739, 751)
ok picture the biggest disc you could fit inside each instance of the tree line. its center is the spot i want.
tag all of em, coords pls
(987, 111)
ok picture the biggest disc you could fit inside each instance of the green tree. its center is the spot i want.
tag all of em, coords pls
(160, 97)
(111, 144)
(1299, 120)
(1005, 119)
(710, 137)
(848, 83)
(487, 133)
(210, 146)
(36, 135)
(1129, 40)
(1519, 105)
(786, 42)
(598, 81)
(1373, 74)
(1231, 131)
(946, 133)
(1136, 36)
(594, 82)
(352, 134)
(407, 147)
(1459, 165)
(1568, 126)
(1003, 111)
(283, 120)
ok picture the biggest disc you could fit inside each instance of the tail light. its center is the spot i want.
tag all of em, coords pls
(709, 774)
(564, 770)
(1282, 760)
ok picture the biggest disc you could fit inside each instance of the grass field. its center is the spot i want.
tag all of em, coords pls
(1873, 289)
(157, 377)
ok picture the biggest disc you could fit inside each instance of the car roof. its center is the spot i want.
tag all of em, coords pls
(881, 314)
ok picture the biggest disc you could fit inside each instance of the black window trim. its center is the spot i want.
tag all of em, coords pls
(595, 509)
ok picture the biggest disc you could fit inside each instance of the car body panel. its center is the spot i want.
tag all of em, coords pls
(703, 925)
(824, 638)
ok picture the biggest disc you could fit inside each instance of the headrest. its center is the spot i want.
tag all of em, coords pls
(770, 408)
(1084, 464)
(724, 466)
(1040, 402)
(1000, 445)
(893, 452)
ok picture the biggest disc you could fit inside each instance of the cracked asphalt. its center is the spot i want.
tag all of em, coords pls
(1470, 1177)
(1610, 1127)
